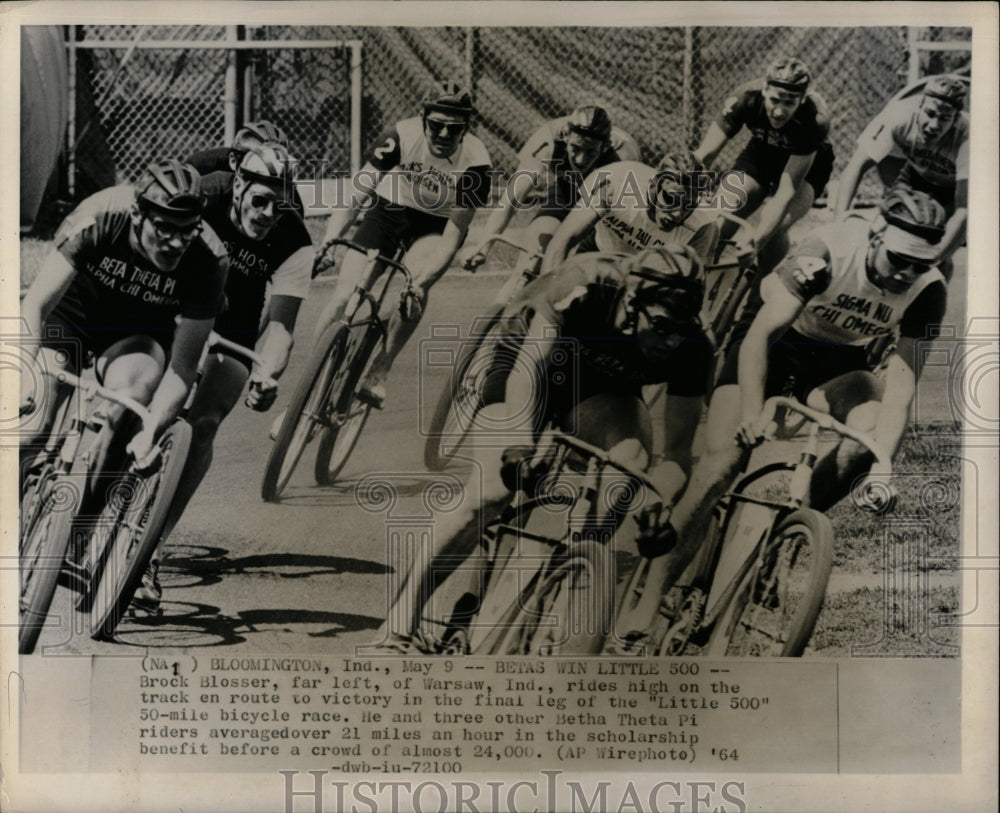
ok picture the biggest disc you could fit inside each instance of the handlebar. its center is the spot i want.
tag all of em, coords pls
(93, 388)
(825, 421)
(373, 256)
(482, 248)
(596, 454)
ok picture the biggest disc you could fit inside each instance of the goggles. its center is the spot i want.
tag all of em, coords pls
(259, 201)
(901, 261)
(443, 127)
(166, 231)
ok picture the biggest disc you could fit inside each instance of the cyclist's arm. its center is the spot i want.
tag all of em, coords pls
(525, 381)
(954, 232)
(517, 196)
(289, 286)
(773, 211)
(855, 170)
(779, 310)
(576, 224)
(901, 373)
(711, 145)
(189, 339)
(362, 193)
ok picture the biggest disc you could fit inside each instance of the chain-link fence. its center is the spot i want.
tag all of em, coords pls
(663, 85)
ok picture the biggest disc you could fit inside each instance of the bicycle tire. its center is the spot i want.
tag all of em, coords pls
(774, 611)
(461, 399)
(336, 442)
(45, 538)
(131, 547)
(303, 419)
(577, 592)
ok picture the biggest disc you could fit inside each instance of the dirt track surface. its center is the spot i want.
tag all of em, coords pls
(312, 574)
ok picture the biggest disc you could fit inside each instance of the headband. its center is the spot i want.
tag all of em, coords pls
(902, 242)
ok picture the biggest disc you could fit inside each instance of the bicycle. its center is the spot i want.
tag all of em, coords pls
(545, 579)
(127, 532)
(466, 391)
(59, 480)
(757, 584)
(325, 401)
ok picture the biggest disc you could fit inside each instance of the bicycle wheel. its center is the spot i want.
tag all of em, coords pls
(306, 414)
(474, 376)
(46, 531)
(775, 609)
(571, 607)
(349, 415)
(137, 533)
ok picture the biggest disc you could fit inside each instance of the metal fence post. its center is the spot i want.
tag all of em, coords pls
(355, 46)
(73, 32)
(232, 91)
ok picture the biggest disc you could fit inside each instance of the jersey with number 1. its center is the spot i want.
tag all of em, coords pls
(415, 178)
(620, 194)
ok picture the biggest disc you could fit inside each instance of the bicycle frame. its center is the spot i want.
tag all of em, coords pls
(531, 538)
(746, 522)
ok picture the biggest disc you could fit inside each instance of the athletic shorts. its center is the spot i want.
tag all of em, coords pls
(798, 364)
(390, 227)
(765, 163)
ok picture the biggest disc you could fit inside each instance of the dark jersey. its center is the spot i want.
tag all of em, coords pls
(802, 135)
(582, 297)
(253, 264)
(115, 291)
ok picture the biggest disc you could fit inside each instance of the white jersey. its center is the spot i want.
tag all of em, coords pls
(415, 178)
(620, 194)
(842, 305)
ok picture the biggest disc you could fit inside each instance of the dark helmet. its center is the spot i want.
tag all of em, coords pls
(449, 97)
(949, 89)
(914, 212)
(590, 121)
(789, 74)
(258, 132)
(172, 187)
(671, 276)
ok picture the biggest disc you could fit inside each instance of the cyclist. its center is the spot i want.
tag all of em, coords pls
(270, 265)
(622, 322)
(420, 190)
(847, 282)
(125, 263)
(551, 168)
(787, 162)
(227, 159)
(630, 206)
(921, 141)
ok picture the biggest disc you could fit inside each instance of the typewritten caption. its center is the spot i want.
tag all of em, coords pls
(452, 716)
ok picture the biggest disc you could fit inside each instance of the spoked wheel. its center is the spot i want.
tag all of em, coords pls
(348, 415)
(306, 416)
(775, 609)
(132, 537)
(47, 519)
(475, 380)
(570, 610)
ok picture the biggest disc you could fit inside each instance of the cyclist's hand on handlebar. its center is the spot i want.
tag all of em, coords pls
(27, 406)
(472, 259)
(143, 449)
(750, 434)
(411, 304)
(655, 535)
(262, 393)
(876, 493)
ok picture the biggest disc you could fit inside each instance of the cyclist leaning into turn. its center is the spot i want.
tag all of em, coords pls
(125, 263)
(270, 263)
(418, 192)
(622, 322)
(551, 168)
(922, 142)
(847, 282)
(630, 206)
(786, 163)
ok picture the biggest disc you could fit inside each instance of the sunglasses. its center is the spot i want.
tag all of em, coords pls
(166, 231)
(899, 262)
(263, 201)
(437, 126)
(661, 323)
